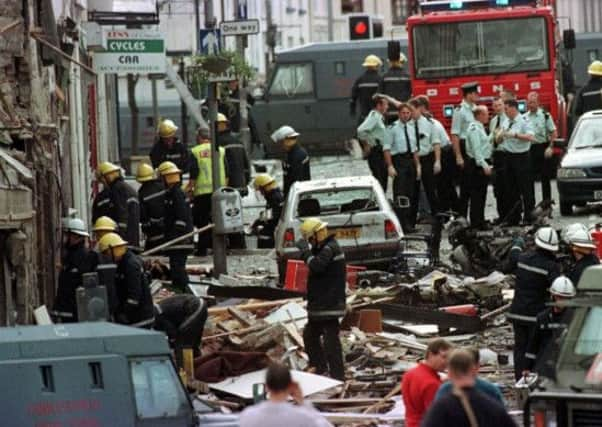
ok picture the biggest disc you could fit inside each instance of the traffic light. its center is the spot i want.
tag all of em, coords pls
(364, 27)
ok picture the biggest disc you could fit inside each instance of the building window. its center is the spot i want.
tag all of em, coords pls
(400, 10)
(352, 6)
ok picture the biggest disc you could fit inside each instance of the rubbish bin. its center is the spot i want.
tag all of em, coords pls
(226, 211)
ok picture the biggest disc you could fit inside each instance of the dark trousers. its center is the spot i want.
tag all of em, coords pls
(404, 185)
(478, 192)
(463, 180)
(522, 332)
(429, 184)
(177, 267)
(376, 162)
(500, 183)
(237, 241)
(323, 346)
(446, 191)
(520, 192)
(543, 169)
(201, 216)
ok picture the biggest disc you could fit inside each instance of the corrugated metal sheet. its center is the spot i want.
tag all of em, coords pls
(585, 15)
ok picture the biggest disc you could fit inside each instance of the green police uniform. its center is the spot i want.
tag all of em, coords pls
(463, 116)
(542, 125)
(478, 150)
(543, 168)
(373, 131)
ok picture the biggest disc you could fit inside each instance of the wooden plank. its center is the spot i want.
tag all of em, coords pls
(242, 318)
(264, 305)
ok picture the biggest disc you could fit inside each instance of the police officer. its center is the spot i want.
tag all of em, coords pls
(77, 260)
(104, 225)
(403, 165)
(516, 138)
(478, 165)
(583, 250)
(274, 198)
(590, 96)
(396, 83)
(296, 165)
(101, 206)
(151, 195)
(542, 154)
(499, 158)
(182, 318)
(371, 133)
(168, 148)
(124, 200)
(325, 297)
(365, 87)
(201, 185)
(462, 117)
(535, 271)
(429, 154)
(550, 328)
(178, 222)
(134, 305)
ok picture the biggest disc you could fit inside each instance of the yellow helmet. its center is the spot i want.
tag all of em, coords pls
(168, 168)
(311, 226)
(262, 180)
(595, 68)
(221, 118)
(110, 241)
(104, 223)
(145, 172)
(106, 168)
(167, 129)
(372, 61)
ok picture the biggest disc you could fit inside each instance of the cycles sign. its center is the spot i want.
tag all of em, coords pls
(131, 51)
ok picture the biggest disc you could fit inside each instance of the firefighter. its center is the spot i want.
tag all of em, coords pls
(550, 327)
(396, 83)
(101, 206)
(274, 198)
(77, 260)
(499, 158)
(535, 271)
(516, 137)
(201, 185)
(151, 195)
(462, 117)
(182, 318)
(428, 144)
(325, 297)
(371, 133)
(583, 251)
(365, 87)
(168, 148)
(134, 304)
(590, 96)
(124, 200)
(296, 165)
(478, 165)
(178, 222)
(239, 169)
(543, 163)
(403, 165)
(102, 226)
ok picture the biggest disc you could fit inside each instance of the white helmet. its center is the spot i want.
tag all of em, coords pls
(563, 287)
(581, 238)
(547, 238)
(75, 226)
(284, 132)
(571, 229)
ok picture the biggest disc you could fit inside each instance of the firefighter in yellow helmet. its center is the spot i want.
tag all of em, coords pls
(178, 222)
(101, 206)
(167, 147)
(325, 297)
(589, 97)
(265, 226)
(152, 206)
(365, 87)
(134, 304)
(102, 226)
(125, 209)
(201, 185)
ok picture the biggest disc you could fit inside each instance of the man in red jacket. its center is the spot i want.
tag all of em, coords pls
(420, 384)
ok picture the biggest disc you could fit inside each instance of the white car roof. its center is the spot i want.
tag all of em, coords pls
(594, 113)
(342, 182)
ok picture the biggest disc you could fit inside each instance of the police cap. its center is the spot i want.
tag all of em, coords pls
(470, 87)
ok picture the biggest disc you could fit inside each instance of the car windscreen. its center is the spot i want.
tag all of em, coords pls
(480, 47)
(336, 201)
(589, 340)
(588, 134)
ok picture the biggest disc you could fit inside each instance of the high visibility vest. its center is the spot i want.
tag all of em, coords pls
(204, 182)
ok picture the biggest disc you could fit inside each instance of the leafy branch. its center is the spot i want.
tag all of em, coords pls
(198, 76)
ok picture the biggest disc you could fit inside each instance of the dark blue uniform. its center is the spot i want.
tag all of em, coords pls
(295, 167)
(151, 195)
(134, 301)
(178, 222)
(177, 153)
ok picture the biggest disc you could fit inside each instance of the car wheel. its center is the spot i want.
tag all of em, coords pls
(566, 208)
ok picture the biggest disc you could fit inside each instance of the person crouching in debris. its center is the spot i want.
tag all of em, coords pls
(274, 198)
(583, 250)
(325, 297)
(277, 411)
(182, 318)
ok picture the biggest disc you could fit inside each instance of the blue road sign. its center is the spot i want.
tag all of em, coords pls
(243, 12)
(210, 42)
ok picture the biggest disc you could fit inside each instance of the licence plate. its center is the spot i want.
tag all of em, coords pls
(348, 233)
(598, 195)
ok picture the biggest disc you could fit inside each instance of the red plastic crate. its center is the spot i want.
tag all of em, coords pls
(296, 275)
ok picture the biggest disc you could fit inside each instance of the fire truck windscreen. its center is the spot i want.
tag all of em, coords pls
(480, 47)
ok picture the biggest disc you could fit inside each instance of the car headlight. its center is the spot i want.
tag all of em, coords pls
(571, 173)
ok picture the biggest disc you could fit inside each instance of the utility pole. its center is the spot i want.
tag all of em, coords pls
(330, 22)
(241, 45)
(197, 25)
(183, 109)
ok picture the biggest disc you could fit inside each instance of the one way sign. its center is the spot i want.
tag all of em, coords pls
(209, 42)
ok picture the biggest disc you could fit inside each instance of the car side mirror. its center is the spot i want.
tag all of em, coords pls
(560, 143)
(568, 38)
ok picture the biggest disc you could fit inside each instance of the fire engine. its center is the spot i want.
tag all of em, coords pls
(501, 44)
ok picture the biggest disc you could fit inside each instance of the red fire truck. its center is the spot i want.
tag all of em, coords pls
(501, 44)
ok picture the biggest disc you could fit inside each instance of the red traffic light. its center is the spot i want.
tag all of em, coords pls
(360, 28)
